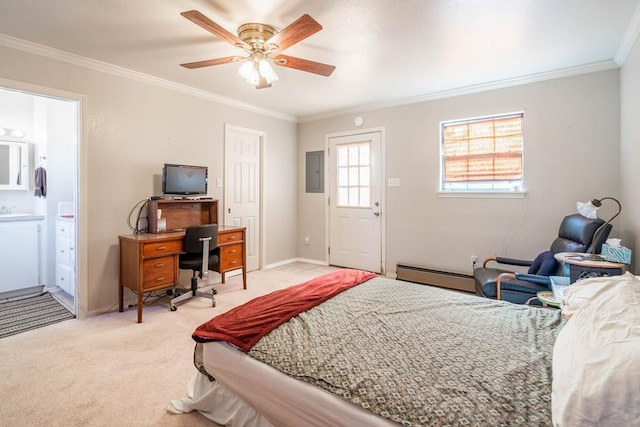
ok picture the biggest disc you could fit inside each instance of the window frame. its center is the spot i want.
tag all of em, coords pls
(507, 191)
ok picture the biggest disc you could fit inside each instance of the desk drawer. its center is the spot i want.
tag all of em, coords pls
(161, 248)
(231, 237)
(158, 272)
(231, 256)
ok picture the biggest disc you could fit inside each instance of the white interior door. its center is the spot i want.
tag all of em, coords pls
(355, 225)
(242, 187)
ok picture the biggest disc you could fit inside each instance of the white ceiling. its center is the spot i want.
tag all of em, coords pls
(384, 50)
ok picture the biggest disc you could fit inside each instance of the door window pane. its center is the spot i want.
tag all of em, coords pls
(354, 175)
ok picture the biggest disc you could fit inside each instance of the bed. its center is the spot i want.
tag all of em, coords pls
(351, 348)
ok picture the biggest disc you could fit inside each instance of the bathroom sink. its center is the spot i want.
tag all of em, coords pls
(19, 216)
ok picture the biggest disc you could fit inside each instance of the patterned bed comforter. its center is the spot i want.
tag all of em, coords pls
(420, 355)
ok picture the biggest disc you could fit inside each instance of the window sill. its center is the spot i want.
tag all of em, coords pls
(482, 194)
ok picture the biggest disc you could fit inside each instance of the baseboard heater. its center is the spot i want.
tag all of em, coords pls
(429, 276)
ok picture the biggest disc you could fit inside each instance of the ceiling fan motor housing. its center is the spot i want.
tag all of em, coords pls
(255, 34)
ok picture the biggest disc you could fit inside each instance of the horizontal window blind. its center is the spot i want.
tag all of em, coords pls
(487, 150)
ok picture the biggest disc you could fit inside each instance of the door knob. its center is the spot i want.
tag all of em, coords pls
(376, 213)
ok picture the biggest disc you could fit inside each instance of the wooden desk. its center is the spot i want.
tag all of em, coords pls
(149, 262)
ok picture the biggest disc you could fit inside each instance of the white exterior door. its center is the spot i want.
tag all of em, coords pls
(242, 187)
(355, 225)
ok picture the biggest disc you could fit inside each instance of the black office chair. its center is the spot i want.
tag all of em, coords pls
(201, 254)
(575, 235)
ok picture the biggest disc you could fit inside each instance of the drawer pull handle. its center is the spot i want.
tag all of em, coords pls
(233, 237)
(159, 265)
(233, 251)
(233, 262)
(161, 248)
(159, 279)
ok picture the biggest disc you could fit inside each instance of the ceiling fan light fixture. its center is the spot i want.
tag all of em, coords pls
(267, 71)
(254, 69)
(248, 71)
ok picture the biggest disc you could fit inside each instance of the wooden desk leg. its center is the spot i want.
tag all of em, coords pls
(244, 277)
(139, 306)
(223, 277)
(120, 298)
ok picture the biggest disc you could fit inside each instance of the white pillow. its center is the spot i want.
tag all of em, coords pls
(596, 357)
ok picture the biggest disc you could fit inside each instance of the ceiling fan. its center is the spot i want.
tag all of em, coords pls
(263, 44)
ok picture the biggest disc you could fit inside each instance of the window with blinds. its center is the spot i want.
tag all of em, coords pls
(482, 154)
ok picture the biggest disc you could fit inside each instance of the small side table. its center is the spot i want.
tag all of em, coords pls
(546, 298)
(580, 268)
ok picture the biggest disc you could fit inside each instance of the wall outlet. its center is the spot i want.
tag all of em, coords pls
(306, 241)
(474, 261)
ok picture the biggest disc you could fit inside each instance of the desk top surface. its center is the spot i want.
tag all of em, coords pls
(171, 235)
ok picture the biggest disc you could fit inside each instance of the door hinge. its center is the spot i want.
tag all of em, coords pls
(329, 250)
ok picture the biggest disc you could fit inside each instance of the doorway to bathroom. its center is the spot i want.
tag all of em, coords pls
(47, 122)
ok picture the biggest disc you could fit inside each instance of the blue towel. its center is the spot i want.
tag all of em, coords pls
(40, 179)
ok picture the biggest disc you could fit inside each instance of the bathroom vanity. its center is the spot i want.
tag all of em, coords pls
(21, 254)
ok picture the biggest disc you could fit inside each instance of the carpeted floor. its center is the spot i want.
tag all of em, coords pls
(30, 313)
(108, 370)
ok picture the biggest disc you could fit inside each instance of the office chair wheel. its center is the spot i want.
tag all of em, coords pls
(174, 308)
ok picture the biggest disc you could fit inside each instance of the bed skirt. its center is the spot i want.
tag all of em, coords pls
(203, 395)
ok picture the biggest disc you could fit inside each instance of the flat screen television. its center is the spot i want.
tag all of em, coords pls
(184, 180)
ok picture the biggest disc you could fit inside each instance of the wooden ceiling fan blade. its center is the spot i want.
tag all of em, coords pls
(210, 62)
(304, 65)
(298, 30)
(215, 29)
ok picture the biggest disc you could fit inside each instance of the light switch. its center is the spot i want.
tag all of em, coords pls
(394, 182)
(219, 182)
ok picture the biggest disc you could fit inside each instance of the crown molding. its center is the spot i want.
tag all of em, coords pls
(630, 37)
(467, 90)
(81, 61)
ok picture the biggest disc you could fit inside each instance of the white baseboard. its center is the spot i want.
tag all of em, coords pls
(292, 260)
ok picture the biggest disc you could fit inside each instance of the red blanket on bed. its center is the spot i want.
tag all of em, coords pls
(243, 326)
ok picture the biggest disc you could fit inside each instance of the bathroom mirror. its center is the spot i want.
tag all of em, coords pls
(14, 165)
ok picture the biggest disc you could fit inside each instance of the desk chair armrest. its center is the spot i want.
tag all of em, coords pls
(508, 261)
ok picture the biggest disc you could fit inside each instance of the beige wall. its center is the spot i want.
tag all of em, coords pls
(131, 129)
(630, 151)
(571, 154)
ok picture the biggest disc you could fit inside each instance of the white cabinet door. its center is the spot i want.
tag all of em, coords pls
(19, 255)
